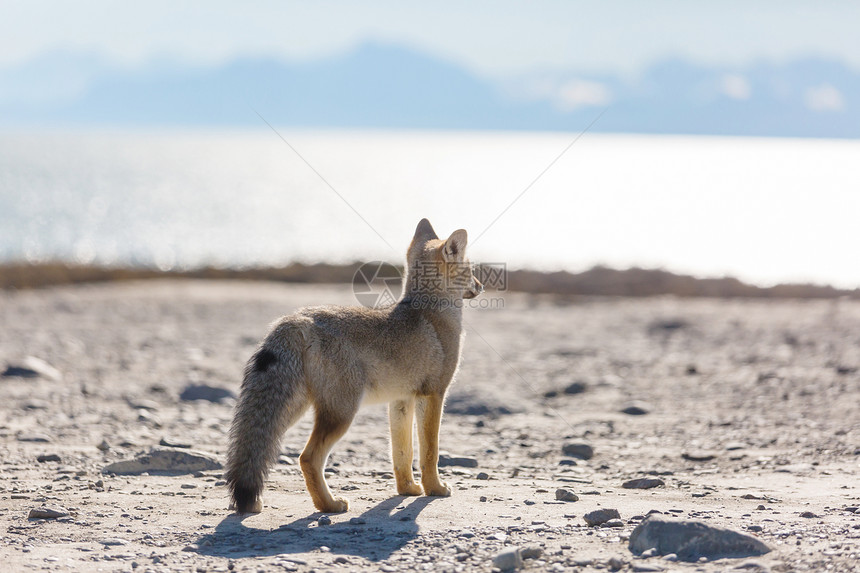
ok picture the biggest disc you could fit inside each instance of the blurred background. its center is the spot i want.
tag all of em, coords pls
(704, 139)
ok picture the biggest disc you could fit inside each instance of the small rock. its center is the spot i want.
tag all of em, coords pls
(205, 392)
(48, 512)
(147, 416)
(532, 552)
(646, 568)
(466, 404)
(614, 523)
(103, 445)
(41, 438)
(636, 408)
(143, 404)
(48, 458)
(324, 520)
(600, 516)
(173, 443)
(113, 541)
(508, 559)
(166, 461)
(562, 494)
(32, 367)
(36, 404)
(576, 388)
(482, 476)
(578, 450)
(692, 540)
(808, 515)
(447, 460)
(357, 521)
(616, 563)
(755, 528)
(643, 483)
(698, 456)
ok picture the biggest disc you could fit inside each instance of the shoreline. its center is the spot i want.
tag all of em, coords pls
(597, 281)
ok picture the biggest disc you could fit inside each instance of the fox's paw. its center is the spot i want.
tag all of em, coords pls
(441, 490)
(410, 488)
(338, 505)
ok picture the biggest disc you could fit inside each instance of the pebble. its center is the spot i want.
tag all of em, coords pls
(643, 483)
(103, 445)
(143, 404)
(35, 437)
(809, 515)
(508, 559)
(616, 563)
(113, 541)
(357, 521)
(578, 450)
(600, 516)
(324, 520)
(447, 460)
(482, 476)
(563, 494)
(576, 388)
(205, 392)
(532, 552)
(48, 458)
(698, 456)
(173, 443)
(636, 408)
(615, 523)
(48, 512)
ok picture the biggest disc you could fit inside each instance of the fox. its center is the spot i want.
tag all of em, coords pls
(336, 358)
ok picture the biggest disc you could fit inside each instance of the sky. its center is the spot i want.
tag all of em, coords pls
(492, 38)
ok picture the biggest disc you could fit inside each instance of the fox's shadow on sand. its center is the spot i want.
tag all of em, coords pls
(387, 527)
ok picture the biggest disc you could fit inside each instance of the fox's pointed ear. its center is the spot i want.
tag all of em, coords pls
(424, 231)
(455, 247)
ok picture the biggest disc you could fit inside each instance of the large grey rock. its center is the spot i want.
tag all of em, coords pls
(692, 540)
(165, 461)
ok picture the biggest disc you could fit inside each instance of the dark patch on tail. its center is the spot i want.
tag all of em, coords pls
(263, 359)
(244, 497)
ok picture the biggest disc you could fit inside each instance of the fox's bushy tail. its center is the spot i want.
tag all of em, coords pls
(273, 396)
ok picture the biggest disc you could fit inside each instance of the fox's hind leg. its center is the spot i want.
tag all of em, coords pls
(328, 429)
(400, 415)
(429, 419)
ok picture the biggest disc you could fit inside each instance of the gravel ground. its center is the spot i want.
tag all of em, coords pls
(742, 414)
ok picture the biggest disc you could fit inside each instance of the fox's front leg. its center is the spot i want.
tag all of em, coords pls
(400, 414)
(429, 419)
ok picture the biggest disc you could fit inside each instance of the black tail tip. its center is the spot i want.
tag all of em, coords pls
(246, 499)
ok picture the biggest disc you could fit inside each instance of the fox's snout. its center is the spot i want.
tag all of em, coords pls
(475, 288)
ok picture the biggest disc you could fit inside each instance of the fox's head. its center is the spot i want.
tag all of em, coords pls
(440, 267)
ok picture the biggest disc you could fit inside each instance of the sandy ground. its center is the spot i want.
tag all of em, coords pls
(767, 391)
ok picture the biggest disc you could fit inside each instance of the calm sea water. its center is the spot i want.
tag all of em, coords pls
(766, 210)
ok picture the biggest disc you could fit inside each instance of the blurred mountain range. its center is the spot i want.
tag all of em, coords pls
(388, 86)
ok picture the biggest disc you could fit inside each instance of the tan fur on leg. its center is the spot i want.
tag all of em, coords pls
(429, 419)
(400, 415)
